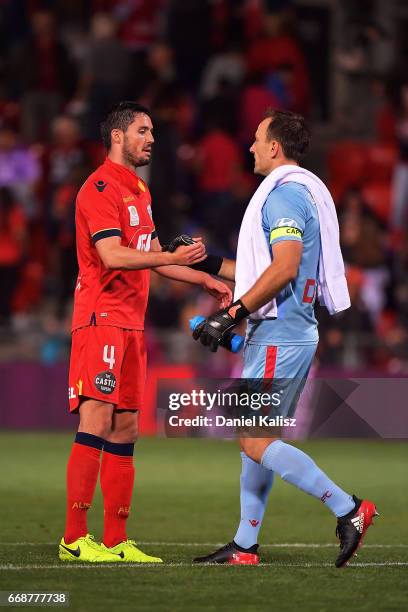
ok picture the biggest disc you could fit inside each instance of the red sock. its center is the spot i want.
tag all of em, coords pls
(117, 477)
(82, 475)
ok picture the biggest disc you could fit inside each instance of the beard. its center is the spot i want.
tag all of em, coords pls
(134, 160)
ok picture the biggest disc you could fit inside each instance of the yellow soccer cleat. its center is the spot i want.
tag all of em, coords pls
(86, 550)
(128, 552)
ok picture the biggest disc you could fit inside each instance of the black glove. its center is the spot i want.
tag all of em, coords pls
(214, 329)
(183, 240)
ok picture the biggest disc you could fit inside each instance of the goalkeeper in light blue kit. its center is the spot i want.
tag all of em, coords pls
(288, 251)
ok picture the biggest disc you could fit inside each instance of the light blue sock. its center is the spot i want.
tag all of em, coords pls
(256, 482)
(294, 466)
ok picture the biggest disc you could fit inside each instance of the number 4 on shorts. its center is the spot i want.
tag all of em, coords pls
(109, 355)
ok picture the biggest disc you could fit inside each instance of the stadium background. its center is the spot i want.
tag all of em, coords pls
(207, 69)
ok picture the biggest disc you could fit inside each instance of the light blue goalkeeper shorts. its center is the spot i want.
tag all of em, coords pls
(285, 366)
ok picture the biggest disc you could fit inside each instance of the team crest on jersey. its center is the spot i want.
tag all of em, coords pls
(100, 185)
(134, 215)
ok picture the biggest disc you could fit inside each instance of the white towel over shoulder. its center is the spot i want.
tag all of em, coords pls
(253, 255)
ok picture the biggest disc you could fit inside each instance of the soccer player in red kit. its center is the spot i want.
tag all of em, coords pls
(117, 246)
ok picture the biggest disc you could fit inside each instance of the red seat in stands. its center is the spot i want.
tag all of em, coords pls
(381, 161)
(347, 164)
(377, 194)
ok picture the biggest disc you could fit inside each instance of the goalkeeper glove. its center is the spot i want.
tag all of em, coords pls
(183, 240)
(211, 264)
(216, 328)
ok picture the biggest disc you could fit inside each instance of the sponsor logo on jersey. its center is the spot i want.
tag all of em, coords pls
(128, 198)
(134, 216)
(143, 242)
(100, 185)
(286, 222)
(105, 382)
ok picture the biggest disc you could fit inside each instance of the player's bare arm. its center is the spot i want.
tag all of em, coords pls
(227, 270)
(185, 274)
(117, 257)
(213, 265)
(283, 269)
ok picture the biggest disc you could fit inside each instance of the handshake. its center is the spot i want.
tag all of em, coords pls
(187, 250)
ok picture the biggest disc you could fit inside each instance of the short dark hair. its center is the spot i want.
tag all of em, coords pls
(119, 117)
(290, 130)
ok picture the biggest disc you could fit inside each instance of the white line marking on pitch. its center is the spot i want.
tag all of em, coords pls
(65, 566)
(284, 545)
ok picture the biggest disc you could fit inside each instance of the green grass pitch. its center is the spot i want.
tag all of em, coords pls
(186, 500)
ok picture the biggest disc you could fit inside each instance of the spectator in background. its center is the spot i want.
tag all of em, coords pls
(63, 216)
(188, 33)
(19, 170)
(254, 98)
(227, 66)
(9, 109)
(363, 245)
(46, 77)
(399, 219)
(383, 123)
(218, 166)
(365, 51)
(278, 48)
(106, 73)
(282, 84)
(158, 74)
(66, 151)
(346, 339)
(65, 154)
(13, 235)
(140, 22)
(221, 86)
(164, 170)
(160, 60)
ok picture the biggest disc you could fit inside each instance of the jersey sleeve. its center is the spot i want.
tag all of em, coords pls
(98, 202)
(284, 213)
(154, 233)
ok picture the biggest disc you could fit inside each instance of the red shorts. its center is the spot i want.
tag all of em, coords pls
(107, 364)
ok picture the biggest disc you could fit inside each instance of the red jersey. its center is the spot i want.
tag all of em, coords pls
(113, 201)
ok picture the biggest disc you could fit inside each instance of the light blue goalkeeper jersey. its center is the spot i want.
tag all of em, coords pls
(289, 213)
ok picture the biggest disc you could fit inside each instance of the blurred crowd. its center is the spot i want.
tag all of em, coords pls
(208, 69)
